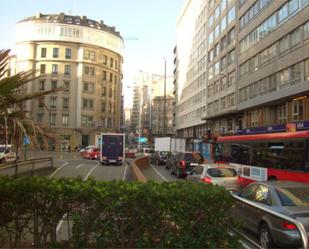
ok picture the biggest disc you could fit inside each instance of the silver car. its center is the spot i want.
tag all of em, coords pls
(288, 198)
(213, 174)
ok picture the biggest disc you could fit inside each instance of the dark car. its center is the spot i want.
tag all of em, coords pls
(169, 160)
(288, 198)
(183, 163)
(159, 157)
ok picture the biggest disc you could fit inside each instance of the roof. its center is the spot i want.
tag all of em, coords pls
(72, 20)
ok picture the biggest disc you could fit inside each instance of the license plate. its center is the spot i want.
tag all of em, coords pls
(112, 161)
(193, 164)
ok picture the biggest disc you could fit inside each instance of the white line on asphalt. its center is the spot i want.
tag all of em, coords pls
(79, 165)
(86, 177)
(52, 175)
(125, 172)
(159, 173)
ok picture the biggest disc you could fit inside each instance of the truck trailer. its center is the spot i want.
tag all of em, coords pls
(112, 148)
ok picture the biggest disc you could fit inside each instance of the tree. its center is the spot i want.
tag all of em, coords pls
(13, 118)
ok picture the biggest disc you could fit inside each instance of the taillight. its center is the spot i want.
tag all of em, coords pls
(207, 180)
(104, 158)
(182, 164)
(120, 158)
(289, 226)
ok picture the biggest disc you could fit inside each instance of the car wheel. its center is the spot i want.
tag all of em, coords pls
(2, 160)
(265, 238)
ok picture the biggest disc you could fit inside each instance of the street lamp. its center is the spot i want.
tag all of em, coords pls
(164, 100)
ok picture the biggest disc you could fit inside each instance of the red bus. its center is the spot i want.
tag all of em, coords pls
(262, 157)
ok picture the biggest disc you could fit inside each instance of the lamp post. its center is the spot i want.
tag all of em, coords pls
(164, 100)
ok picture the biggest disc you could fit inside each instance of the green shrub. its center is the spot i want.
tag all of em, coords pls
(116, 214)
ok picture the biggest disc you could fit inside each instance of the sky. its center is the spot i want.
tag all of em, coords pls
(147, 26)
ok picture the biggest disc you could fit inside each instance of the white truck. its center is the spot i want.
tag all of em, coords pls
(7, 153)
(170, 144)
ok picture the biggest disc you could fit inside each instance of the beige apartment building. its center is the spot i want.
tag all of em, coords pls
(253, 57)
(85, 58)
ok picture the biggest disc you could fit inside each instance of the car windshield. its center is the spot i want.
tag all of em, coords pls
(2, 148)
(294, 196)
(222, 172)
(193, 157)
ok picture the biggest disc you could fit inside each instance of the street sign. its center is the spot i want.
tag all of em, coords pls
(26, 140)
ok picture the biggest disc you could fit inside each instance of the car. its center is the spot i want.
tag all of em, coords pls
(159, 157)
(92, 153)
(86, 148)
(7, 153)
(284, 197)
(215, 174)
(129, 154)
(144, 152)
(169, 160)
(184, 162)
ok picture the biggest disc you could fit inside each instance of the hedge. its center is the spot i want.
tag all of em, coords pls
(114, 214)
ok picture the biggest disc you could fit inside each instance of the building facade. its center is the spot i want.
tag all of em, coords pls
(82, 56)
(255, 57)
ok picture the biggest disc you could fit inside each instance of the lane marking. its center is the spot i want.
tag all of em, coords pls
(86, 177)
(61, 167)
(80, 165)
(125, 172)
(159, 173)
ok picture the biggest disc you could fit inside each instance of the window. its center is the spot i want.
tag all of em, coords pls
(264, 56)
(89, 55)
(53, 102)
(68, 53)
(88, 87)
(53, 84)
(65, 103)
(231, 15)
(43, 52)
(40, 118)
(231, 37)
(103, 91)
(41, 102)
(231, 78)
(295, 37)
(223, 103)
(210, 38)
(307, 69)
(254, 118)
(298, 110)
(87, 120)
(65, 119)
(272, 51)
(272, 83)
(217, 13)
(210, 21)
(223, 63)
(54, 69)
(42, 85)
(52, 119)
(223, 43)
(104, 59)
(110, 77)
(231, 100)
(306, 30)
(217, 68)
(116, 64)
(223, 84)
(66, 86)
(295, 73)
(87, 103)
(217, 31)
(110, 92)
(89, 71)
(293, 6)
(67, 70)
(42, 69)
(284, 77)
(216, 87)
(103, 107)
(284, 44)
(216, 50)
(55, 52)
(231, 57)
(223, 23)
(115, 79)
(283, 12)
(223, 5)
(210, 73)
(111, 62)
(282, 113)
(104, 75)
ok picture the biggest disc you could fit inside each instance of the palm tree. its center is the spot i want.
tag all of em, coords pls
(13, 96)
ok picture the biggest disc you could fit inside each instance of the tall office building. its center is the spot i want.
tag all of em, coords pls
(85, 58)
(254, 58)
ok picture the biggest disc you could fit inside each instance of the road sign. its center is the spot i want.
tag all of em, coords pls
(26, 140)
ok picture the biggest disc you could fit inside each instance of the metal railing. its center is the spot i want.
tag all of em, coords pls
(299, 225)
(31, 161)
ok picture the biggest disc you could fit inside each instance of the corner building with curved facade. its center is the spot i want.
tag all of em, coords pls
(85, 58)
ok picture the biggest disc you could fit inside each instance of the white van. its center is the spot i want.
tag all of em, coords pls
(144, 152)
(7, 153)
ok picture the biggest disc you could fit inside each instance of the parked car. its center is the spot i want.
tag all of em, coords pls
(7, 153)
(92, 153)
(183, 163)
(159, 157)
(144, 152)
(129, 154)
(288, 198)
(83, 150)
(215, 174)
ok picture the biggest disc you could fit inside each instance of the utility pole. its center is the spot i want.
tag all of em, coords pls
(164, 100)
